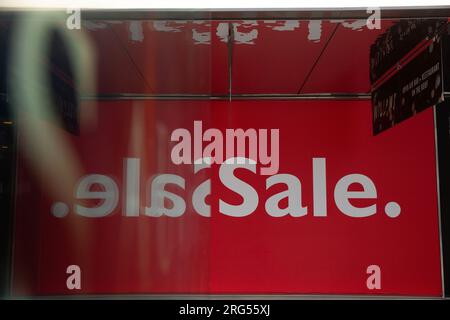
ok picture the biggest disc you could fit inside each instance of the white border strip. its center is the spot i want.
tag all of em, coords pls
(216, 4)
(438, 185)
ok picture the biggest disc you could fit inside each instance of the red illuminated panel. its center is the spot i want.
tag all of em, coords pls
(178, 57)
(276, 56)
(318, 255)
(115, 72)
(256, 253)
(191, 57)
(116, 254)
(344, 65)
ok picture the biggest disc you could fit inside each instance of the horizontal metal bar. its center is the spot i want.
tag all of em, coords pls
(250, 96)
(262, 14)
(254, 14)
(272, 96)
(230, 297)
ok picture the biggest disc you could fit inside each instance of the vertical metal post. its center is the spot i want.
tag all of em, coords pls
(230, 59)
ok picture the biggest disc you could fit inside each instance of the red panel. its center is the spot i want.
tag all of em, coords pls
(276, 56)
(187, 57)
(316, 255)
(116, 255)
(116, 72)
(344, 66)
(177, 56)
(257, 253)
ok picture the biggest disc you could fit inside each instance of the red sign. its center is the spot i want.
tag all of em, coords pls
(322, 207)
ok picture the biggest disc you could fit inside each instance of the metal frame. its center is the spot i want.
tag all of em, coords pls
(264, 96)
(177, 296)
(403, 13)
(253, 14)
